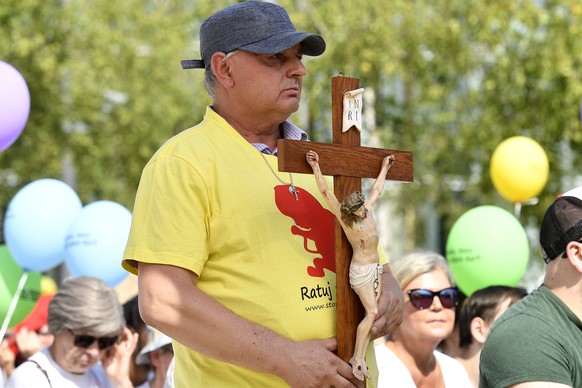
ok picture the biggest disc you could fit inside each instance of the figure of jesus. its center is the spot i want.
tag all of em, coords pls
(359, 226)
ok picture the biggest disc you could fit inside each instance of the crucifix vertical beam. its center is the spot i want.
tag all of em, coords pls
(349, 309)
(348, 163)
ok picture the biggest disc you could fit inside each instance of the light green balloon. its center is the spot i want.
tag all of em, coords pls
(487, 246)
(10, 274)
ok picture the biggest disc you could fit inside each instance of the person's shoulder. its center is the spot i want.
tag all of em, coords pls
(513, 326)
(511, 333)
(27, 374)
(183, 137)
(454, 373)
(531, 312)
(384, 354)
(24, 368)
(209, 137)
(392, 371)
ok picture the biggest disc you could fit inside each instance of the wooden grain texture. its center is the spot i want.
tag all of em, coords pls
(349, 308)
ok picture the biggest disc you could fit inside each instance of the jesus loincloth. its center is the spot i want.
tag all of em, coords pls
(364, 274)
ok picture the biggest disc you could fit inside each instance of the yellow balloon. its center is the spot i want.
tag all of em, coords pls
(48, 285)
(519, 168)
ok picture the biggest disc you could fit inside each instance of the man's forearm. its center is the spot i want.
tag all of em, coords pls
(201, 323)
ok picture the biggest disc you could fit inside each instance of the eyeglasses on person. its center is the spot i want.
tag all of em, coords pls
(85, 341)
(422, 298)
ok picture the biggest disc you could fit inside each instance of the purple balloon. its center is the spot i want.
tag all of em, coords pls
(14, 105)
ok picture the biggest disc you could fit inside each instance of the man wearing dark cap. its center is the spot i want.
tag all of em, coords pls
(538, 341)
(218, 234)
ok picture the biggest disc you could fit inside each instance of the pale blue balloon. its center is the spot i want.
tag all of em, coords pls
(96, 241)
(37, 221)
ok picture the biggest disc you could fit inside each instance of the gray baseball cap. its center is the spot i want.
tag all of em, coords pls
(258, 27)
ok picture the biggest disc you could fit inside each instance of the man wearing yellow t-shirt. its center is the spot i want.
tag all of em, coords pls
(236, 260)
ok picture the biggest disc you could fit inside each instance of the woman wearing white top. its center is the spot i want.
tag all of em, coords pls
(92, 348)
(408, 357)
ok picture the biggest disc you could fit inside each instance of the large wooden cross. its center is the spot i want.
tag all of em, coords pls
(347, 162)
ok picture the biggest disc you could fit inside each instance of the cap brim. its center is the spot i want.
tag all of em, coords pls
(311, 44)
(192, 64)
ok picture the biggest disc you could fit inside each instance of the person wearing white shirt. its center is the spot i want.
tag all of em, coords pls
(408, 357)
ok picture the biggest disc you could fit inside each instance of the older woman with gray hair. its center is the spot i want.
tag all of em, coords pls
(408, 357)
(92, 346)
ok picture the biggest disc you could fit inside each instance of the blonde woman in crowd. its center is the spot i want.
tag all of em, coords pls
(409, 358)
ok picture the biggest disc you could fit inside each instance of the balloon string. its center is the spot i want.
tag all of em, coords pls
(517, 210)
(13, 304)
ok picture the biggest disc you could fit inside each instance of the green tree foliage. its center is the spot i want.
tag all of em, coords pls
(125, 92)
(33, 40)
(452, 80)
(106, 89)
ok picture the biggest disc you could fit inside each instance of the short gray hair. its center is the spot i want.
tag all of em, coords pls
(88, 304)
(418, 263)
(209, 81)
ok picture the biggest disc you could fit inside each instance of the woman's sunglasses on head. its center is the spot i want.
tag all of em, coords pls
(422, 298)
(85, 341)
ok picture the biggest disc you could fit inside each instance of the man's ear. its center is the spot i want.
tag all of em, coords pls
(574, 250)
(479, 330)
(221, 69)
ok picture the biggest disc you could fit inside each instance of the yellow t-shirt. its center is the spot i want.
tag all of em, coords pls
(208, 202)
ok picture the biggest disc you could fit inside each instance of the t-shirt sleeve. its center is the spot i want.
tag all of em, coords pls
(518, 351)
(170, 217)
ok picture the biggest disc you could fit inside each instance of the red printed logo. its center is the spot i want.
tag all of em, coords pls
(312, 222)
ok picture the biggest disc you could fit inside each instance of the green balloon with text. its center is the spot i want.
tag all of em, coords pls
(10, 274)
(487, 246)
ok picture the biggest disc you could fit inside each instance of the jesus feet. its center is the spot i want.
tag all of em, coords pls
(359, 368)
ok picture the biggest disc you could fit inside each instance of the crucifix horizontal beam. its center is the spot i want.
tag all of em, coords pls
(344, 160)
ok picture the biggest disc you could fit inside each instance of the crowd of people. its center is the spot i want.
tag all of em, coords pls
(84, 337)
(229, 292)
(91, 344)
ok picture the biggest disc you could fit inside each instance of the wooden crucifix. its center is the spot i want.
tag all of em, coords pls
(347, 162)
